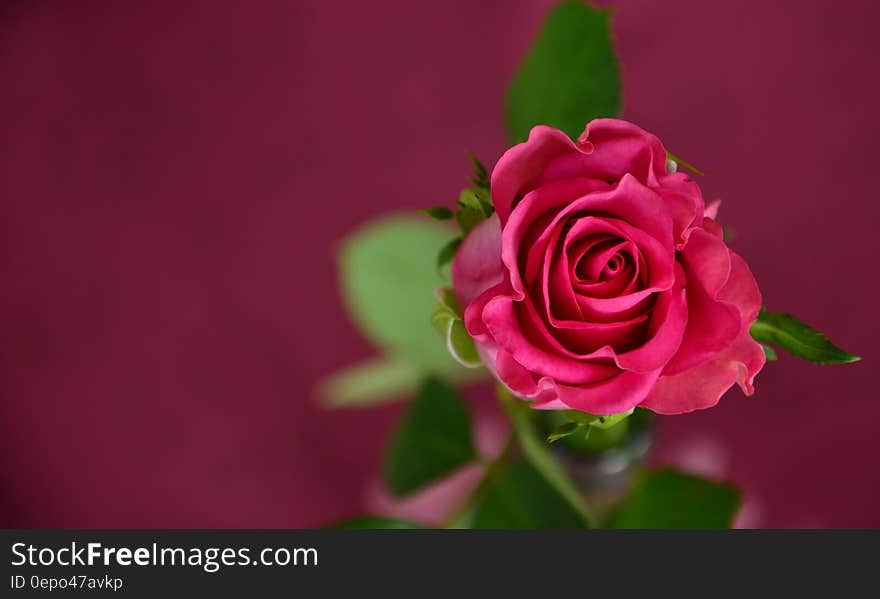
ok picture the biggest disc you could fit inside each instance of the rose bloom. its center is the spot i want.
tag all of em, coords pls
(603, 281)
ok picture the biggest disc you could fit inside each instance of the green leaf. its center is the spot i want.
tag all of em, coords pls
(432, 440)
(798, 339)
(670, 499)
(375, 523)
(538, 453)
(569, 77)
(369, 383)
(438, 213)
(382, 380)
(522, 498)
(447, 253)
(770, 353)
(387, 278)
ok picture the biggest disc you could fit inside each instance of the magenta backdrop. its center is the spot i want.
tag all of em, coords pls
(175, 177)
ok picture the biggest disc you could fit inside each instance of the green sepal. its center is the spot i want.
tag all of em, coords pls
(569, 428)
(447, 321)
(597, 420)
(479, 174)
(438, 213)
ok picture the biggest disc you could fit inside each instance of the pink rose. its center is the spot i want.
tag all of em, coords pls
(603, 282)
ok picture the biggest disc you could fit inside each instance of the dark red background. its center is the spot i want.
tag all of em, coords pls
(175, 177)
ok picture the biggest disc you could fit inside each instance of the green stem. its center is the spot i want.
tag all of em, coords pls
(535, 450)
(461, 516)
(539, 454)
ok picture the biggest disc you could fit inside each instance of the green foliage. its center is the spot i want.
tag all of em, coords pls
(687, 165)
(569, 77)
(447, 253)
(670, 499)
(375, 523)
(521, 497)
(474, 207)
(578, 421)
(600, 438)
(538, 454)
(447, 321)
(566, 429)
(369, 383)
(438, 213)
(387, 283)
(479, 174)
(798, 339)
(432, 440)
(476, 199)
(597, 420)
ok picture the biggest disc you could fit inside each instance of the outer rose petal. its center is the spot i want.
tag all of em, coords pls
(712, 209)
(477, 265)
(612, 395)
(702, 386)
(517, 170)
(713, 324)
(521, 339)
(742, 290)
(684, 200)
(618, 148)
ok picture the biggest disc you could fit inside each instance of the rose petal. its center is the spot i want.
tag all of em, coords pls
(473, 312)
(611, 396)
(712, 324)
(702, 386)
(618, 148)
(520, 166)
(659, 258)
(742, 290)
(712, 209)
(665, 332)
(518, 329)
(629, 201)
(684, 200)
(477, 264)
